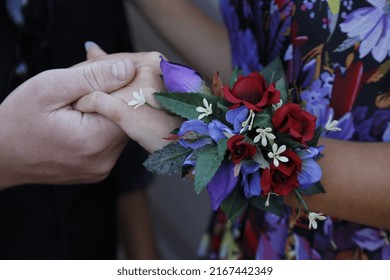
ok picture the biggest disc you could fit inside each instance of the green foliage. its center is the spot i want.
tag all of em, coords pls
(168, 160)
(276, 204)
(313, 189)
(234, 204)
(273, 72)
(234, 76)
(208, 161)
(263, 119)
(282, 86)
(285, 139)
(184, 104)
(317, 134)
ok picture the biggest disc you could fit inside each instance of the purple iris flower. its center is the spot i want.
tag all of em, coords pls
(194, 134)
(251, 178)
(180, 78)
(311, 172)
(222, 184)
(236, 117)
(216, 130)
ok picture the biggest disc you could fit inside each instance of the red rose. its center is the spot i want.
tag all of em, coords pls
(291, 119)
(239, 149)
(251, 91)
(284, 178)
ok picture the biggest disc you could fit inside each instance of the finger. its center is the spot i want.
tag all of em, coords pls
(64, 86)
(146, 80)
(145, 125)
(93, 50)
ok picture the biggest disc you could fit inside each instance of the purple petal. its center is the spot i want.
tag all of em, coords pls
(190, 160)
(369, 239)
(347, 128)
(251, 178)
(236, 117)
(180, 78)
(303, 249)
(216, 130)
(386, 252)
(249, 167)
(199, 128)
(222, 184)
(252, 185)
(272, 242)
(311, 172)
(312, 152)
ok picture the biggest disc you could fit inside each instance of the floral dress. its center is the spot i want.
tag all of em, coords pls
(336, 55)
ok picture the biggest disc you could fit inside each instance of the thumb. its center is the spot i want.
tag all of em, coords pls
(67, 85)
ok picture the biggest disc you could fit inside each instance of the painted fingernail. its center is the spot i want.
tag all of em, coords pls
(119, 70)
(89, 45)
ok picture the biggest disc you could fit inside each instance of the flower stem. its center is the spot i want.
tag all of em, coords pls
(301, 201)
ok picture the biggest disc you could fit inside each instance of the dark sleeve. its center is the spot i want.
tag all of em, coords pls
(129, 174)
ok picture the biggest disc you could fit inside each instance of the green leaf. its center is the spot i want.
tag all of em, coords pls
(263, 119)
(313, 189)
(284, 139)
(282, 86)
(184, 104)
(168, 160)
(222, 147)
(273, 71)
(234, 76)
(276, 205)
(208, 161)
(234, 204)
(317, 135)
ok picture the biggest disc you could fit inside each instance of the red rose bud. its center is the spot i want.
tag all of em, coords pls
(252, 92)
(239, 149)
(291, 119)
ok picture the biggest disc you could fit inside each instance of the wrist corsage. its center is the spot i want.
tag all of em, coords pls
(246, 142)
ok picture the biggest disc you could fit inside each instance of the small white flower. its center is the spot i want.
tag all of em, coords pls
(313, 217)
(264, 134)
(275, 154)
(206, 110)
(139, 99)
(332, 125)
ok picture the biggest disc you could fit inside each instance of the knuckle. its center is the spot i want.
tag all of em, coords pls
(90, 74)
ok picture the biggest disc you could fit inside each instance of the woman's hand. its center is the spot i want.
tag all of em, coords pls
(144, 124)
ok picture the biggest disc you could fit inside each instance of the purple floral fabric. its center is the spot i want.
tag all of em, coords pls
(337, 60)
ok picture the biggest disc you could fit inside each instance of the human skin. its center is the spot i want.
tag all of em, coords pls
(43, 140)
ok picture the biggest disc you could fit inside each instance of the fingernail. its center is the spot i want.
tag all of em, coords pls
(119, 70)
(89, 45)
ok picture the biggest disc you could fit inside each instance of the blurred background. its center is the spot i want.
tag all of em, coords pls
(180, 215)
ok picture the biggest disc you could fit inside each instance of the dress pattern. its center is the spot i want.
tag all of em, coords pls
(336, 55)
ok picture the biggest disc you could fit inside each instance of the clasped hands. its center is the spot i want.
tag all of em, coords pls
(68, 126)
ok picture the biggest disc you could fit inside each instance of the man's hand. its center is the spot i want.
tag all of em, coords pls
(44, 140)
(145, 124)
